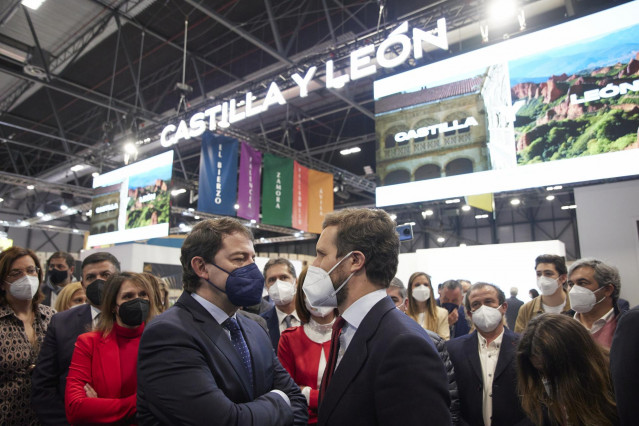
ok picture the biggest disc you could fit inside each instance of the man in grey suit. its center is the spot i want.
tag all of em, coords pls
(513, 308)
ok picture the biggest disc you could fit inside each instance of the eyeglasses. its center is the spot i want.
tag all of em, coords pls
(17, 273)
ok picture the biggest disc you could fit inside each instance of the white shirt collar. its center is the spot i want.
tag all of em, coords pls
(495, 343)
(94, 312)
(358, 310)
(218, 314)
(281, 315)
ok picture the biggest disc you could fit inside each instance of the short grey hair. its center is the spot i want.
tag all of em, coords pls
(280, 261)
(514, 291)
(604, 274)
(398, 284)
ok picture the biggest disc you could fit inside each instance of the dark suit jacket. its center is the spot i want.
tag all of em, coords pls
(507, 410)
(272, 321)
(50, 375)
(190, 373)
(512, 311)
(624, 355)
(391, 374)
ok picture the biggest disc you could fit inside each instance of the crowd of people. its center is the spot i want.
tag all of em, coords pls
(343, 343)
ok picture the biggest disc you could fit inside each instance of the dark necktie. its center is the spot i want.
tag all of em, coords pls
(332, 357)
(287, 320)
(240, 345)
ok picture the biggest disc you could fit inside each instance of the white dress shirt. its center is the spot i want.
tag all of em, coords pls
(354, 316)
(281, 319)
(488, 356)
(94, 315)
(598, 324)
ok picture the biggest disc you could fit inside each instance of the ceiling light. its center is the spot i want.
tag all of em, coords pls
(236, 206)
(72, 211)
(570, 207)
(557, 187)
(191, 209)
(78, 167)
(462, 244)
(130, 148)
(39, 214)
(30, 187)
(1, 199)
(453, 201)
(426, 213)
(46, 217)
(466, 208)
(76, 231)
(32, 4)
(550, 197)
(550, 188)
(501, 11)
(441, 239)
(253, 221)
(515, 201)
(24, 223)
(481, 216)
(178, 191)
(393, 217)
(298, 234)
(196, 217)
(63, 207)
(350, 150)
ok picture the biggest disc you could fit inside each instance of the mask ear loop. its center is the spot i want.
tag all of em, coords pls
(334, 292)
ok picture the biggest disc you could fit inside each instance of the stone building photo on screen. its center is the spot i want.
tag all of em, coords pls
(579, 100)
(149, 198)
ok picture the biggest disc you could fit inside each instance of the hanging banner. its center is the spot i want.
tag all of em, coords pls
(320, 199)
(277, 191)
(300, 197)
(248, 194)
(218, 175)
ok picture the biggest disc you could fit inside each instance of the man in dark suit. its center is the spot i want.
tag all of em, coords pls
(484, 363)
(452, 300)
(60, 268)
(200, 361)
(280, 279)
(513, 308)
(624, 368)
(383, 368)
(50, 375)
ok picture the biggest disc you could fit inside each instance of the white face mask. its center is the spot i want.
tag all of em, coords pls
(582, 300)
(421, 293)
(318, 286)
(487, 318)
(24, 288)
(547, 286)
(282, 292)
(321, 312)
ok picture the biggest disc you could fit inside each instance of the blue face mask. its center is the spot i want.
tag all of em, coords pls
(243, 286)
(450, 307)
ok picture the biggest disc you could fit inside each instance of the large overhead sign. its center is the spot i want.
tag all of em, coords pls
(556, 106)
(132, 203)
(398, 47)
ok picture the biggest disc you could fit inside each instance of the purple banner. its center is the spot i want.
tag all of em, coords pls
(248, 192)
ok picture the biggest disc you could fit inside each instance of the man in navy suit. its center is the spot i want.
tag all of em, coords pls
(50, 375)
(199, 361)
(484, 362)
(386, 370)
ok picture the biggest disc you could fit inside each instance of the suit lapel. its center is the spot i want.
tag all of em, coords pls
(508, 347)
(109, 364)
(215, 332)
(355, 355)
(471, 347)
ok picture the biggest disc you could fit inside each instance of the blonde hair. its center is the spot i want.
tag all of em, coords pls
(430, 315)
(63, 301)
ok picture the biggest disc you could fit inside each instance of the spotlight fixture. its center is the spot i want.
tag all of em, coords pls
(550, 197)
(570, 207)
(63, 207)
(353, 150)
(481, 216)
(441, 239)
(515, 201)
(30, 187)
(78, 167)
(466, 208)
(427, 213)
(236, 206)
(453, 201)
(39, 214)
(178, 191)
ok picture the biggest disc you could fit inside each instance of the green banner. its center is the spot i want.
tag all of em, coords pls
(277, 191)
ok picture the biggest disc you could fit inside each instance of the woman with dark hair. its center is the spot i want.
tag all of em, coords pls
(23, 324)
(561, 366)
(102, 380)
(533, 293)
(422, 307)
(303, 351)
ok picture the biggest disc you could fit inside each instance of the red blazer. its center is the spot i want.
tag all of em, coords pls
(300, 356)
(96, 361)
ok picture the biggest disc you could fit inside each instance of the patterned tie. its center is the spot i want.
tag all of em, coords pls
(287, 320)
(240, 345)
(332, 357)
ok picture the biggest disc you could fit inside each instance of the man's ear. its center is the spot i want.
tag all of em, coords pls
(358, 261)
(199, 267)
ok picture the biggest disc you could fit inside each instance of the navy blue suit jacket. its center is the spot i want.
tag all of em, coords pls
(190, 373)
(464, 353)
(50, 375)
(272, 322)
(624, 354)
(391, 374)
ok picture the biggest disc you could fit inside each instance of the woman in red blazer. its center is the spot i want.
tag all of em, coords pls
(102, 382)
(303, 351)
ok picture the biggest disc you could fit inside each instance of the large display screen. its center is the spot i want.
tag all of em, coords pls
(132, 203)
(557, 106)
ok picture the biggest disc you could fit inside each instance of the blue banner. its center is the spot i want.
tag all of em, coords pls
(218, 175)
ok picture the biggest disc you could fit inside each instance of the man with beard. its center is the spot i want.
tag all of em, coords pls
(382, 367)
(60, 267)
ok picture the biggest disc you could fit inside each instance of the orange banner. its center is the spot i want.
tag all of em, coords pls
(300, 197)
(320, 199)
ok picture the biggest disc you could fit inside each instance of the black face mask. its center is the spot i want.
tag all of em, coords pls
(134, 312)
(57, 277)
(95, 290)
